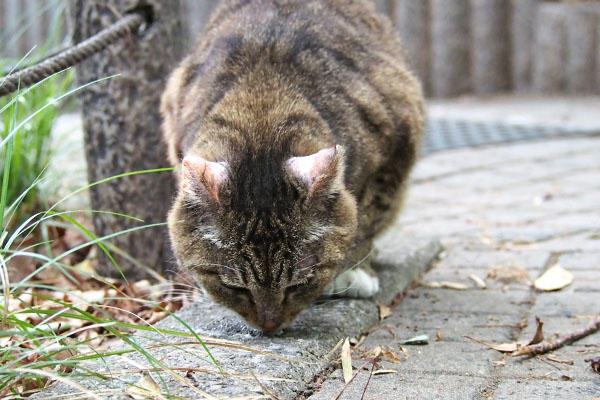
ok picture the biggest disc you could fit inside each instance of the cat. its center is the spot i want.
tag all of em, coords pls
(296, 124)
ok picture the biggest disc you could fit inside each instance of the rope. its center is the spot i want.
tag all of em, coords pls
(71, 56)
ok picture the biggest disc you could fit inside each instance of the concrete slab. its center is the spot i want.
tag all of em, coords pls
(554, 209)
(545, 388)
(439, 385)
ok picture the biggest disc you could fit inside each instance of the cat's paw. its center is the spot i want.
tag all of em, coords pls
(355, 283)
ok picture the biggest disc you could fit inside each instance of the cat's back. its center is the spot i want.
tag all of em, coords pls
(341, 55)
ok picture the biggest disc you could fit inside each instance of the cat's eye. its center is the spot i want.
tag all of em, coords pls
(234, 286)
(240, 291)
(294, 288)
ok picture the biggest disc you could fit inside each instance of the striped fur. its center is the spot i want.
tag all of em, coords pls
(271, 80)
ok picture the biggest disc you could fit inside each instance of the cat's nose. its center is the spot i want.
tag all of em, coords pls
(270, 326)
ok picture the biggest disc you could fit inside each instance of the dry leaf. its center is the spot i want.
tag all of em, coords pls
(515, 346)
(444, 285)
(373, 353)
(85, 267)
(384, 372)
(439, 336)
(346, 361)
(509, 275)
(145, 388)
(390, 356)
(384, 311)
(480, 283)
(417, 340)
(539, 335)
(555, 278)
(503, 347)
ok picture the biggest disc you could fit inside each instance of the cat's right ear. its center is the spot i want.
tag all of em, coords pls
(319, 170)
(200, 175)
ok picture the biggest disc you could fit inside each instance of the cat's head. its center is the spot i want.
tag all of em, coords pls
(264, 235)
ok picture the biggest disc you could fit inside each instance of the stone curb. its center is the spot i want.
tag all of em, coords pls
(284, 364)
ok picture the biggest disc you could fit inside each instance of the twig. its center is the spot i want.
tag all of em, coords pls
(368, 380)
(264, 388)
(558, 360)
(351, 379)
(569, 338)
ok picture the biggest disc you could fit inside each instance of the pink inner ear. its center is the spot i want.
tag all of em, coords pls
(210, 174)
(316, 168)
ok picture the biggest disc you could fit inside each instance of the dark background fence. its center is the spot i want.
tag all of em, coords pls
(456, 46)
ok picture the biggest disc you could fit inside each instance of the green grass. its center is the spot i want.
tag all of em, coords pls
(24, 157)
(35, 352)
(32, 354)
(27, 152)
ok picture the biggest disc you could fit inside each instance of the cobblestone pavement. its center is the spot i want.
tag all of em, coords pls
(505, 214)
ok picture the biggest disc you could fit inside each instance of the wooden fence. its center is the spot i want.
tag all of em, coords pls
(455, 46)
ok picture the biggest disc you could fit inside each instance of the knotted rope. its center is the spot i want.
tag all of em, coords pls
(71, 56)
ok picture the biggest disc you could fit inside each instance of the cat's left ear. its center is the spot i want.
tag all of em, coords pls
(318, 170)
(200, 174)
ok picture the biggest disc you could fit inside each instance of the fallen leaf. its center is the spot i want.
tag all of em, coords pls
(85, 267)
(509, 275)
(384, 372)
(480, 283)
(374, 353)
(417, 340)
(444, 285)
(515, 346)
(346, 361)
(503, 347)
(539, 335)
(384, 311)
(389, 355)
(145, 388)
(439, 336)
(565, 378)
(555, 278)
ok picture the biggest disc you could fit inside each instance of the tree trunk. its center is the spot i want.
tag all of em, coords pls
(122, 128)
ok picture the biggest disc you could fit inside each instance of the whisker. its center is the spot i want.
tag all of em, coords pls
(305, 258)
(359, 262)
(322, 303)
(310, 266)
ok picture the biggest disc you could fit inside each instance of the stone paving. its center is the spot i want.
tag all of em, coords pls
(505, 214)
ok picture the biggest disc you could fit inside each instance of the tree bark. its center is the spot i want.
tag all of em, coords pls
(122, 128)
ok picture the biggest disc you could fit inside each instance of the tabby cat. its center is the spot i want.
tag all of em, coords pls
(296, 123)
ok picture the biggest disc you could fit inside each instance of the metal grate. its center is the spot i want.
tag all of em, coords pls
(444, 134)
